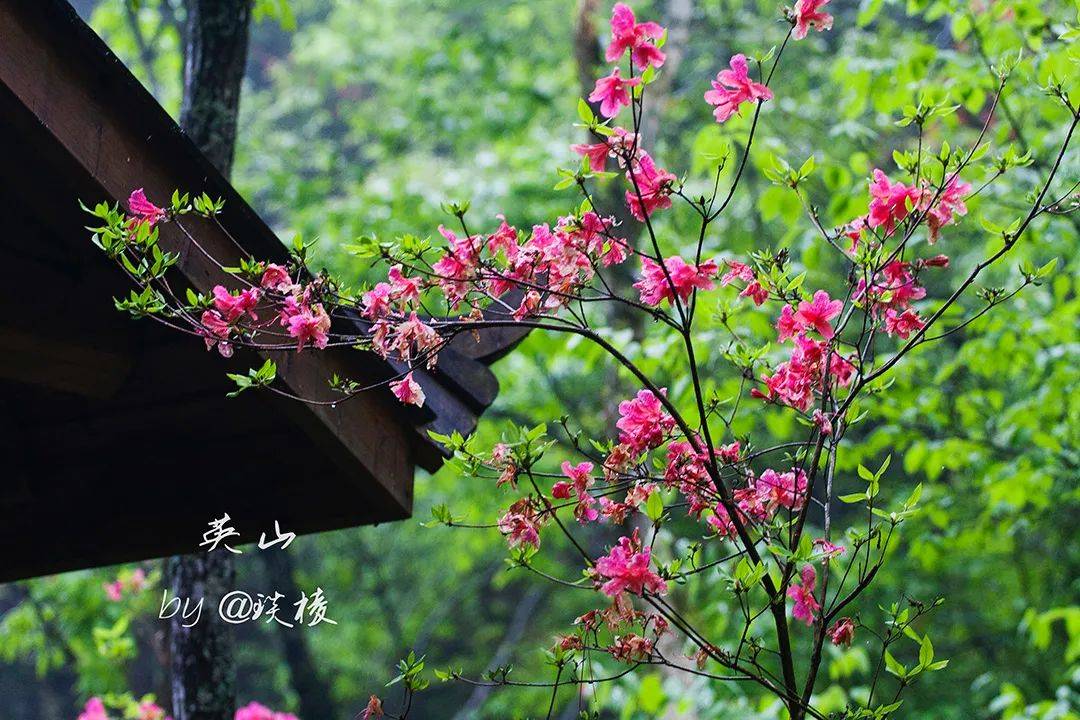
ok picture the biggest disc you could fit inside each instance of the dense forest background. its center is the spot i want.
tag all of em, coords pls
(363, 117)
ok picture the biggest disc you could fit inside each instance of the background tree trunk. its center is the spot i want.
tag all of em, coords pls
(215, 58)
(203, 664)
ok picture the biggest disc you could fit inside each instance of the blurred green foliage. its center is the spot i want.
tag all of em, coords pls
(362, 117)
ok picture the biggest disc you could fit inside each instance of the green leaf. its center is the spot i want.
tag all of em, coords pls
(654, 507)
(913, 499)
(1047, 268)
(884, 466)
(926, 652)
(868, 10)
(585, 112)
(893, 666)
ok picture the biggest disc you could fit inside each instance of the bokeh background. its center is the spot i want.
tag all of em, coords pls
(363, 116)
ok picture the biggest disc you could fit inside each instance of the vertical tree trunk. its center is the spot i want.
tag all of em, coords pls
(217, 45)
(203, 664)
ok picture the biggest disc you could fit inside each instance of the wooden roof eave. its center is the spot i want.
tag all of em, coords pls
(112, 133)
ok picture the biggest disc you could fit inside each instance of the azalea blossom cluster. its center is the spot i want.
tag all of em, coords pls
(133, 583)
(148, 710)
(290, 309)
(626, 634)
(670, 493)
(286, 305)
(257, 711)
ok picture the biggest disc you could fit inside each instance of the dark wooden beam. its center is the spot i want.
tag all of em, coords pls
(60, 364)
(110, 130)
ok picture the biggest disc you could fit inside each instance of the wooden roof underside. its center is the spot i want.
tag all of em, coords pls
(118, 441)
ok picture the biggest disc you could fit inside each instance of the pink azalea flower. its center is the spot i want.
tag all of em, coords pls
(733, 87)
(597, 154)
(376, 301)
(652, 183)
(408, 391)
(144, 210)
(215, 331)
(721, 522)
(138, 580)
(806, 605)
(756, 292)
(233, 307)
(842, 632)
(402, 288)
(628, 34)
(630, 648)
(796, 380)
(627, 567)
(595, 232)
(585, 510)
(613, 93)
(624, 146)
(94, 710)
(828, 549)
(530, 306)
(854, 232)
(643, 422)
(255, 711)
(581, 480)
(903, 324)
(729, 453)
(891, 202)
(114, 590)
(808, 14)
(737, 271)
(414, 333)
(520, 526)
(504, 239)
(310, 325)
(948, 206)
(561, 490)
(373, 709)
(785, 490)
(897, 279)
(817, 314)
(686, 468)
(841, 369)
(151, 711)
(823, 423)
(639, 494)
(787, 326)
(756, 500)
(655, 288)
(580, 475)
(457, 266)
(276, 277)
(894, 287)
